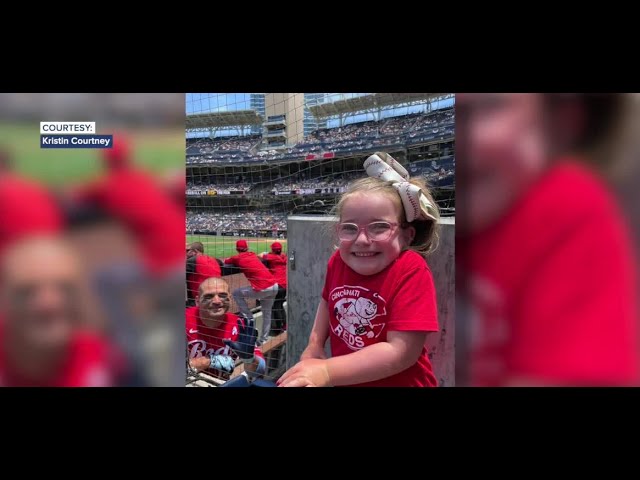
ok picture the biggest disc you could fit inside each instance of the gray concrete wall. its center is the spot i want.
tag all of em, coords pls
(309, 248)
(310, 245)
(441, 346)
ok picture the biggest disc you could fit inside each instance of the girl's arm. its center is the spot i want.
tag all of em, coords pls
(381, 360)
(319, 334)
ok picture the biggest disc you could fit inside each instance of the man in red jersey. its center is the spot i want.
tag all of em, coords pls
(42, 313)
(217, 338)
(263, 285)
(199, 268)
(549, 290)
(276, 261)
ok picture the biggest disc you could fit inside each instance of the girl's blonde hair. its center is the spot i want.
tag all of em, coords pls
(427, 231)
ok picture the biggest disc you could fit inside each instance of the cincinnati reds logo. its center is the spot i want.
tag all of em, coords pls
(355, 310)
(199, 348)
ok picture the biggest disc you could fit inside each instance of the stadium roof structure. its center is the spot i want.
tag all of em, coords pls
(235, 118)
(374, 101)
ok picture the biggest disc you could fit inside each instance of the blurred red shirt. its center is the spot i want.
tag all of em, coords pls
(89, 362)
(551, 288)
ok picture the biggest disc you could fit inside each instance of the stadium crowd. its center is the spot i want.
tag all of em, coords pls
(236, 221)
(353, 137)
(228, 144)
(219, 186)
(429, 169)
(333, 181)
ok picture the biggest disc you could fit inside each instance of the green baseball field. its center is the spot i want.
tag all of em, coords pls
(156, 150)
(223, 247)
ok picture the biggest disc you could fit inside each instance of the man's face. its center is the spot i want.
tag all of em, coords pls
(40, 297)
(191, 253)
(503, 149)
(214, 300)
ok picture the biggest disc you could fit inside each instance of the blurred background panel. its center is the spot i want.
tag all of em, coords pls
(154, 120)
(547, 239)
(121, 213)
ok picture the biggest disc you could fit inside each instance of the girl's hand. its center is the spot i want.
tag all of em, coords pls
(307, 373)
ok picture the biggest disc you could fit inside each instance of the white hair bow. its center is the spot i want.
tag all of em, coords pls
(416, 205)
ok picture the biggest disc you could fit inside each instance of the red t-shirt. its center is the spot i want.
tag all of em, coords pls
(90, 362)
(26, 208)
(203, 340)
(258, 275)
(362, 309)
(157, 224)
(551, 288)
(206, 267)
(278, 267)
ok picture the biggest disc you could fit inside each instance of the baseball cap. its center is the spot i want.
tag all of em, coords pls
(241, 245)
(276, 246)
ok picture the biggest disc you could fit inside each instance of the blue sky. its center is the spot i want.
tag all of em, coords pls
(216, 102)
(221, 102)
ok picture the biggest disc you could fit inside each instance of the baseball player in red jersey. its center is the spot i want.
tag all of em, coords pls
(217, 338)
(263, 285)
(277, 264)
(276, 261)
(199, 268)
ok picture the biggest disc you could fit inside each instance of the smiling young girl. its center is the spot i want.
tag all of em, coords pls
(378, 303)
